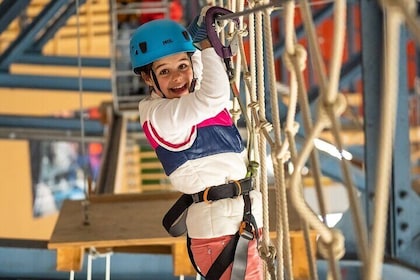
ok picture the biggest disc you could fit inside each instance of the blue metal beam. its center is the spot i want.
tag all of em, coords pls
(37, 58)
(53, 82)
(26, 37)
(403, 241)
(405, 203)
(91, 127)
(39, 263)
(351, 71)
(9, 10)
(55, 25)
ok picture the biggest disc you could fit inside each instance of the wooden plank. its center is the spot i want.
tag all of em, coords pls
(152, 176)
(148, 154)
(69, 258)
(157, 187)
(181, 260)
(61, 71)
(300, 264)
(120, 223)
(299, 258)
(151, 165)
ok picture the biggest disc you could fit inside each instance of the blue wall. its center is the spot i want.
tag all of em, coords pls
(40, 264)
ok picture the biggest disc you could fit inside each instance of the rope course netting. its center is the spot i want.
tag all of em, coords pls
(278, 136)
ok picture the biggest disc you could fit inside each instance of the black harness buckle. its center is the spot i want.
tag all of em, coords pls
(246, 231)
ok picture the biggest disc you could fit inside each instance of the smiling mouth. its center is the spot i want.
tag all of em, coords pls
(179, 90)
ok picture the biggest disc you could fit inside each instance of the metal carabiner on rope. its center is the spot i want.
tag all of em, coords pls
(223, 51)
(211, 17)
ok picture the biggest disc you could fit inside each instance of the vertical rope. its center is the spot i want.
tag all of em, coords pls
(295, 60)
(252, 99)
(393, 22)
(303, 102)
(85, 203)
(238, 61)
(261, 141)
(327, 238)
(337, 51)
(279, 157)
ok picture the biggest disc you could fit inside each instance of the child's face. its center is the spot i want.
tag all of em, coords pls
(174, 74)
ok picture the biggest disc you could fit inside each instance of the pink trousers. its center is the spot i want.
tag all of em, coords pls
(205, 252)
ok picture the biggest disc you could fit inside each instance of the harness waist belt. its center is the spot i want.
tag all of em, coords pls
(174, 219)
(228, 190)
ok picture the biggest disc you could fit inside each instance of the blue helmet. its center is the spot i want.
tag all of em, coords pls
(157, 39)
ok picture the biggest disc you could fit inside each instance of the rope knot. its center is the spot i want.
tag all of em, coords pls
(338, 106)
(293, 129)
(268, 254)
(266, 126)
(235, 113)
(282, 152)
(253, 105)
(243, 32)
(247, 76)
(300, 56)
(97, 254)
(336, 245)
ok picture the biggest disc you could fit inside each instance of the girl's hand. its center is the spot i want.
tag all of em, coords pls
(205, 44)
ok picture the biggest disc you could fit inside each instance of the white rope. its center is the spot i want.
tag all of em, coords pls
(295, 60)
(238, 62)
(329, 98)
(85, 203)
(80, 82)
(331, 105)
(94, 254)
(393, 21)
(260, 91)
(329, 94)
(408, 9)
(278, 160)
(337, 51)
(252, 97)
(304, 103)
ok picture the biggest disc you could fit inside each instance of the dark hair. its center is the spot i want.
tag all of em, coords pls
(146, 69)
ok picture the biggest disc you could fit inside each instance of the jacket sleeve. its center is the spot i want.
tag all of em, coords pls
(174, 116)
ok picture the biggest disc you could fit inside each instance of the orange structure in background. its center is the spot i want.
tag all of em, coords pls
(175, 12)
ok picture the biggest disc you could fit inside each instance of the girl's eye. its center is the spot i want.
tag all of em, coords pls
(163, 72)
(183, 66)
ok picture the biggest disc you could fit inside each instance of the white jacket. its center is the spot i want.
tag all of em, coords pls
(193, 136)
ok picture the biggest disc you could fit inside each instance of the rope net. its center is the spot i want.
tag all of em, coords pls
(279, 137)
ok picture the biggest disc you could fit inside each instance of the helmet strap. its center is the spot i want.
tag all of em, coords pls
(193, 83)
(194, 80)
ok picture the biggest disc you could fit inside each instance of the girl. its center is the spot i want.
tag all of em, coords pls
(193, 135)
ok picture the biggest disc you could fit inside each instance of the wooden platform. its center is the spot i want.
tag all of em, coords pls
(117, 223)
(132, 223)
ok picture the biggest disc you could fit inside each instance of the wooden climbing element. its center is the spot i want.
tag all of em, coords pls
(132, 223)
(117, 222)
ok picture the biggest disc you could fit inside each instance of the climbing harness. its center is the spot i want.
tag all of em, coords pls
(237, 248)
